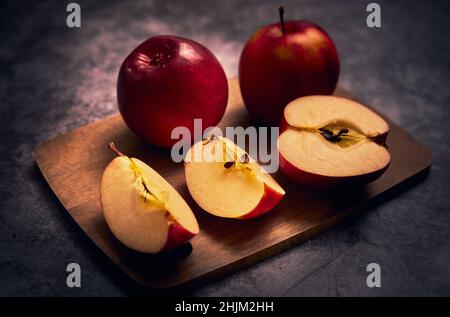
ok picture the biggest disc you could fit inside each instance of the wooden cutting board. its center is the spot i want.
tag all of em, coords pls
(73, 163)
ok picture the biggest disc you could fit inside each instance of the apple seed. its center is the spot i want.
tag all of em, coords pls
(244, 158)
(228, 164)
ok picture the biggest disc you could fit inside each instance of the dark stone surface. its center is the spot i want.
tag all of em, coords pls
(54, 79)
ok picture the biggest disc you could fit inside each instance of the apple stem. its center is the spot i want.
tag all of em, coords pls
(113, 148)
(281, 11)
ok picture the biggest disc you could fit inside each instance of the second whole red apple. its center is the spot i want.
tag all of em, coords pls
(284, 61)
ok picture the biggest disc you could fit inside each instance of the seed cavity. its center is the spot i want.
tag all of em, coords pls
(342, 136)
(149, 190)
(333, 137)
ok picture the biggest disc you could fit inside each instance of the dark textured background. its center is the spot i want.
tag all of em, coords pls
(54, 79)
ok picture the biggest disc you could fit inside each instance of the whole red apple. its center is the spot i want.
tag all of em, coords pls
(284, 61)
(167, 82)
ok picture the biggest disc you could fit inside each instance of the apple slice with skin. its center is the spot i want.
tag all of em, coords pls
(226, 182)
(142, 209)
(328, 142)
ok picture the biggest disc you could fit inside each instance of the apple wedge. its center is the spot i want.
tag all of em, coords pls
(142, 209)
(328, 142)
(226, 182)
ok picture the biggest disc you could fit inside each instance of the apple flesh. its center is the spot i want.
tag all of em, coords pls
(167, 82)
(329, 142)
(142, 209)
(279, 66)
(226, 182)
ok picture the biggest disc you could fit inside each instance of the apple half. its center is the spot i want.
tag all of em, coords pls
(329, 141)
(142, 209)
(226, 182)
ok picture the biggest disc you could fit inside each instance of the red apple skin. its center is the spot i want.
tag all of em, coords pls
(324, 182)
(275, 69)
(177, 236)
(268, 201)
(167, 82)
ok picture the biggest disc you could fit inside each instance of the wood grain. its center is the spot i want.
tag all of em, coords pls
(73, 163)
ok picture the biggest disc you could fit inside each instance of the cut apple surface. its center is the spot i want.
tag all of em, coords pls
(329, 141)
(226, 182)
(142, 209)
